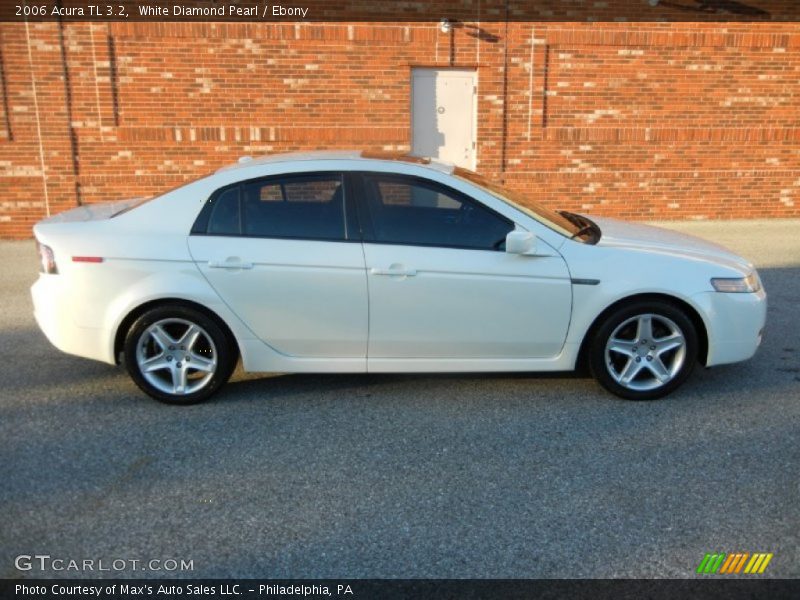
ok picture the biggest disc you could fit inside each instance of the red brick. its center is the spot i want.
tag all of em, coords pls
(638, 120)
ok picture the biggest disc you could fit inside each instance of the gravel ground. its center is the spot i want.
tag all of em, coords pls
(405, 476)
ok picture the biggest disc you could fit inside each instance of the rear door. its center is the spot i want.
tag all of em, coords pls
(284, 253)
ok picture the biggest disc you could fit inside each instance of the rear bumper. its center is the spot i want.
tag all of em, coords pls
(56, 319)
(735, 324)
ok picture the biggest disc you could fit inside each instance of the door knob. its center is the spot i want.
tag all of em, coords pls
(229, 263)
(394, 271)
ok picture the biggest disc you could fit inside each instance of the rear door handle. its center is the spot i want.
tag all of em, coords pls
(394, 271)
(229, 263)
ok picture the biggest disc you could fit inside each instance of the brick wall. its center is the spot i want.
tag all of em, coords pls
(638, 120)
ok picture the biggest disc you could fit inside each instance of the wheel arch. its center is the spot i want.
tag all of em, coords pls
(138, 311)
(691, 312)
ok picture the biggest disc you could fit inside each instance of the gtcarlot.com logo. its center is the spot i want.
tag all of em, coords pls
(734, 564)
(45, 562)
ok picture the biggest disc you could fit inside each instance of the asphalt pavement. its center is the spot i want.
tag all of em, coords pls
(458, 476)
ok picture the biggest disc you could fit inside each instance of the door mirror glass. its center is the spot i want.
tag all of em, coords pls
(520, 242)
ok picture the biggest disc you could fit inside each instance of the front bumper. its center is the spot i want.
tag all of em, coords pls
(735, 324)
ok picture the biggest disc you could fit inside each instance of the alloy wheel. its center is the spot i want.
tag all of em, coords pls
(645, 352)
(176, 356)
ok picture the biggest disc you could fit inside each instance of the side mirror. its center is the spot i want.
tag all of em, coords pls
(521, 242)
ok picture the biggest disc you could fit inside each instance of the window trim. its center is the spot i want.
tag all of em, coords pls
(365, 215)
(352, 227)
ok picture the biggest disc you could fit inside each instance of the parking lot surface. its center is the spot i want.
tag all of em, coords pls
(502, 476)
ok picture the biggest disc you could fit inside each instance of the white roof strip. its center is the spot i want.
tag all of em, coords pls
(247, 161)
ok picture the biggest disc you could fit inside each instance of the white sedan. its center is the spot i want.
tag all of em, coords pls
(351, 262)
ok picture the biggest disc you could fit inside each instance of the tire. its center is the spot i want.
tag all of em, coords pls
(635, 362)
(178, 355)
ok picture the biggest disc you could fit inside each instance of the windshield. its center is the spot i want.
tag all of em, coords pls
(520, 201)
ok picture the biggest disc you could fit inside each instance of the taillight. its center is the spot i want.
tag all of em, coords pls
(47, 260)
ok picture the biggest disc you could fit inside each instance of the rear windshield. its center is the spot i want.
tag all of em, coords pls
(135, 204)
(145, 199)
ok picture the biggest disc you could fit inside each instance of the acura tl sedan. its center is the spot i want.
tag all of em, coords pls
(352, 262)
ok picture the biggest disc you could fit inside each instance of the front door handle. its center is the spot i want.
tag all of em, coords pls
(229, 263)
(394, 271)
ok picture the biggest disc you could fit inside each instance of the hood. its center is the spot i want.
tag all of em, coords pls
(636, 236)
(94, 212)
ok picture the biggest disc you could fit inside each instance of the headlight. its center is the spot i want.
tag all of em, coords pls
(740, 285)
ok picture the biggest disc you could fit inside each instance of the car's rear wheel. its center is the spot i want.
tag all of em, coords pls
(644, 350)
(178, 355)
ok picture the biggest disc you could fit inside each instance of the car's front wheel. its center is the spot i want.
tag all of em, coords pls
(644, 350)
(178, 355)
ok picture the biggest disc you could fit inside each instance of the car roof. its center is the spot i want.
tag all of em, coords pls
(357, 155)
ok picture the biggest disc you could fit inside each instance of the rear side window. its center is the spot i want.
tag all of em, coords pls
(301, 207)
(224, 218)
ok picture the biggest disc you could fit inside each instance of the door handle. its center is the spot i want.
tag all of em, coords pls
(395, 271)
(229, 263)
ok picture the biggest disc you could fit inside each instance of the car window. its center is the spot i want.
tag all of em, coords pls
(309, 207)
(224, 218)
(304, 207)
(407, 210)
(533, 209)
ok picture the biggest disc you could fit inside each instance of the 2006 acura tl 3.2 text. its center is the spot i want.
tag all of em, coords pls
(351, 262)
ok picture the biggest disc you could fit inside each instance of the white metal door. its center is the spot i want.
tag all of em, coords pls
(444, 303)
(443, 115)
(304, 298)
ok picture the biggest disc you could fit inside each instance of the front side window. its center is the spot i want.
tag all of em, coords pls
(407, 210)
(556, 221)
(302, 207)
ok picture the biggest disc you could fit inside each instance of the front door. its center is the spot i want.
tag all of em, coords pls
(441, 285)
(443, 115)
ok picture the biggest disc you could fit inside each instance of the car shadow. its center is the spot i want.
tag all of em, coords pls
(247, 388)
(31, 362)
